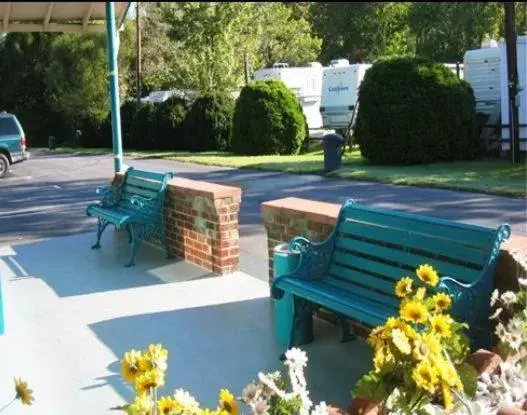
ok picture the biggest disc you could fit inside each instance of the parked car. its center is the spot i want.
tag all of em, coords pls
(12, 142)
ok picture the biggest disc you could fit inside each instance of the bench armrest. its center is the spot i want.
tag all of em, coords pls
(146, 205)
(110, 195)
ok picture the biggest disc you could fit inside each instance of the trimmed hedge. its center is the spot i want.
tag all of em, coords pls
(414, 110)
(170, 121)
(268, 119)
(208, 124)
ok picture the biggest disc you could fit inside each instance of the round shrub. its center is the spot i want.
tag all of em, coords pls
(209, 123)
(268, 119)
(144, 128)
(413, 110)
(170, 118)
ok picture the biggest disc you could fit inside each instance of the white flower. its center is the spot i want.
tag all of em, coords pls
(523, 281)
(515, 324)
(494, 297)
(509, 298)
(501, 331)
(320, 409)
(515, 341)
(260, 407)
(185, 399)
(496, 314)
(295, 357)
(250, 392)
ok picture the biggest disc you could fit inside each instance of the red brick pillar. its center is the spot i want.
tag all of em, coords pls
(202, 223)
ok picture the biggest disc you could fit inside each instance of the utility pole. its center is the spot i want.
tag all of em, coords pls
(246, 67)
(512, 78)
(138, 54)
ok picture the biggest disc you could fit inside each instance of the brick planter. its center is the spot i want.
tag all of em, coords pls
(201, 221)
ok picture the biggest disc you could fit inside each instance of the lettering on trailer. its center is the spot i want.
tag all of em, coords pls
(338, 88)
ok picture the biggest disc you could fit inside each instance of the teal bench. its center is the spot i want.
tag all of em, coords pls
(353, 273)
(136, 204)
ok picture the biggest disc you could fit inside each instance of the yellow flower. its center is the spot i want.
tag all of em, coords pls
(130, 365)
(154, 358)
(426, 345)
(151, 379)
(401, 341)
(420, 294)
(142, 405)
(414, 312)
(377, 336)
(228, 403)
(440, 325)
(425, 376)
(167, 405)
(404, 287)
(427, 274)
(442, 302)
(448, 398)
(382, 357)
(23, 392)
(447, 372)
(409, 331)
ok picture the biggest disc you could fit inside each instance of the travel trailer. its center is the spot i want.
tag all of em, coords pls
(305, 82)
(340, 93)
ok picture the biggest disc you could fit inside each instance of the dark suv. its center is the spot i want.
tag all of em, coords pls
(12, 142)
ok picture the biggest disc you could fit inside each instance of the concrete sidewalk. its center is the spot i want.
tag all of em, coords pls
(71, 313)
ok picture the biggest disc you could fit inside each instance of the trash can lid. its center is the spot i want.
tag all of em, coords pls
(334, 137)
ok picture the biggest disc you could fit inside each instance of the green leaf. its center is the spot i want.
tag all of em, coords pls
(371, 386)
(469, 378)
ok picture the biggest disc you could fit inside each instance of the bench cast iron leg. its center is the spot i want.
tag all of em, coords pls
(137, 233)
(345, 334)
(129, 231)
(101, 226)
(302, 311)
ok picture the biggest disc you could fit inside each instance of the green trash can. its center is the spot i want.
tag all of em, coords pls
(285, 262)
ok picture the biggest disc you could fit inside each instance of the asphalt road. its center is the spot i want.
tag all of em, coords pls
(47, 197)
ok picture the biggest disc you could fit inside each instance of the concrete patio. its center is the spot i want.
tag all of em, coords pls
(71, 313)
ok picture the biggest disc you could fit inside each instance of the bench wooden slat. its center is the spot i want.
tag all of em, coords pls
(357, 283)
(147, 174)
(407, 259)
(133, 190)
(426, 243)
(368, 266)
(144, 183)
(473, 235)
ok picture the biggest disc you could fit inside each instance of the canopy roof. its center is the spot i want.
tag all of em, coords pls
(78, 17)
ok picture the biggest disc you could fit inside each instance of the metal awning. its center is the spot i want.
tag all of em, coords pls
(77, 17)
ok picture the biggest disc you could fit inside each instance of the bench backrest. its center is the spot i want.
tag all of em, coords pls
(374, 248)
(145, 183)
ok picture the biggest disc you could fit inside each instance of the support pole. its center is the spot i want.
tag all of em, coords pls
(114, 87)
(246, 67)
(512, 79)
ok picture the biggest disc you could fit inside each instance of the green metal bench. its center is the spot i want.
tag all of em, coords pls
(135, 205)
(353, 273)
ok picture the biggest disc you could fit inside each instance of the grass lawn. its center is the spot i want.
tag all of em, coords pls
(490, 176)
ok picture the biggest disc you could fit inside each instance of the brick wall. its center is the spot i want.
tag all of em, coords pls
(286, 218)
(201, 222)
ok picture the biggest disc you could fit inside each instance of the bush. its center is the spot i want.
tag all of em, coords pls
(413, 110)
(209, 123)
(268, 119)
(144, 128)
(170, 117)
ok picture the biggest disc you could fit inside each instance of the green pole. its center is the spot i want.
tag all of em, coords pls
(114, 87)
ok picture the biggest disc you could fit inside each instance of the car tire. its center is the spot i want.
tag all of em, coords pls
(4, 166)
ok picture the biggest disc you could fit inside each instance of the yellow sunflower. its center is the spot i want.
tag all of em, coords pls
(414, 311)
(23, 392)
(142, 405)
(426, 346)
(167, 405)
(441, 325)
(228, 403)
(403, 288)
(377, 336)
(425, 376)
(148, 380)
(442, 302)
(400, 341)
(409, 331)
(447, 372)
(448, 398)
(427, 274)
(130, 365)
(154, 358)
(420, 294)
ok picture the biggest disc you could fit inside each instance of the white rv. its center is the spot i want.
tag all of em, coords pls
(340, 92)
(305, 82)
